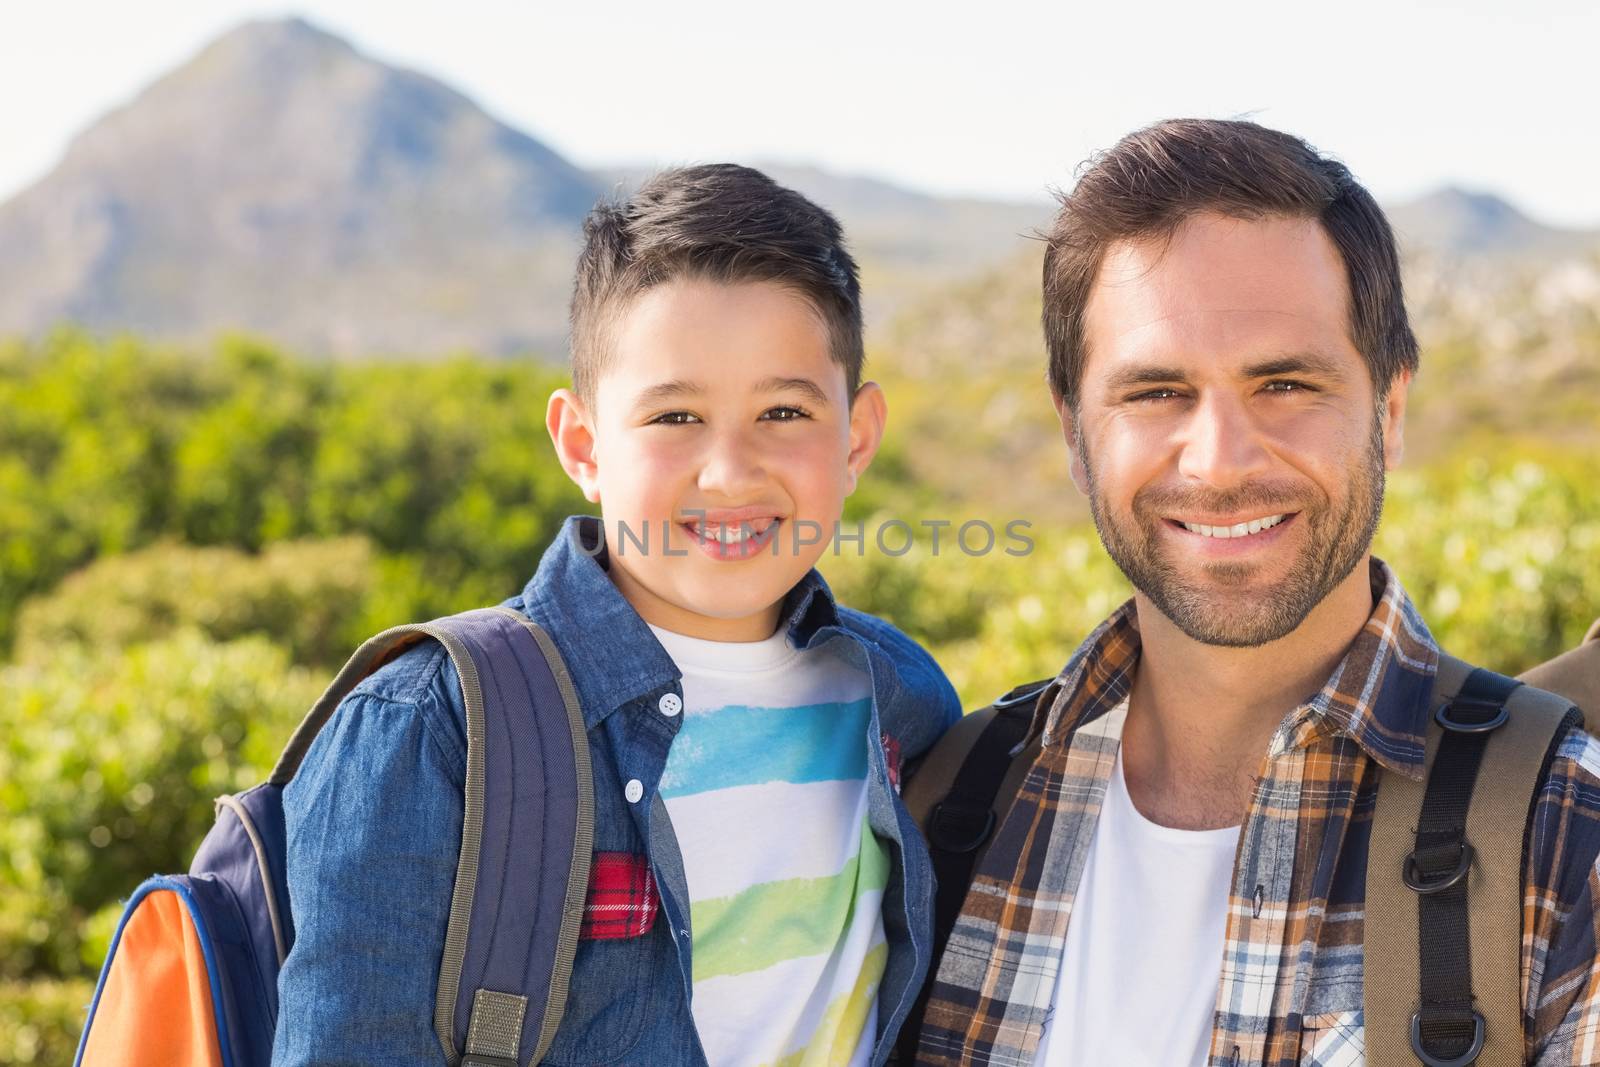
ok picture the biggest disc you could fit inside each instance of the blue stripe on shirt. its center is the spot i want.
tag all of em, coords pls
(740, 745)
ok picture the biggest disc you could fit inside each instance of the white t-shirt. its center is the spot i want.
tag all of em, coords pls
(1139, 973)
(766, 785)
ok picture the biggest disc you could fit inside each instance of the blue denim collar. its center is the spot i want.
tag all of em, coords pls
(610, 652)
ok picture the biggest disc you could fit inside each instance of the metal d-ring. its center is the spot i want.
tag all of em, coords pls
(1412, 875)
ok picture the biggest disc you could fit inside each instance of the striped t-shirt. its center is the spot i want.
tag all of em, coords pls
(766, 787)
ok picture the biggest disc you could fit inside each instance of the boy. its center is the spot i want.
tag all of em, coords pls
(746, 732)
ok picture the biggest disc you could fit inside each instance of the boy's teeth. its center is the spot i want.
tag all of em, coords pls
(1241, 529)
(733, 533)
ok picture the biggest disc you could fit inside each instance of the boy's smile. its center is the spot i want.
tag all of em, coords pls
(721, 440)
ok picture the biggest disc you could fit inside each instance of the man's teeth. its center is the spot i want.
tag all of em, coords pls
(1241, 529)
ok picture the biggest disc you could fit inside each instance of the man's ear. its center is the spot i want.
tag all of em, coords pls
(868, 415)
(1070, 431)
(1393, 416)
(572, 432)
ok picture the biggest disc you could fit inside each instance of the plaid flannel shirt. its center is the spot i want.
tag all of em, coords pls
(1291, 985)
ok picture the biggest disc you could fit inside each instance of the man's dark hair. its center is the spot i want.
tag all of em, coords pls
(718, 222)
(1154, 179)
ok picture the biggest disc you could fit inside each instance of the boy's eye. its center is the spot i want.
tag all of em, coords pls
(674, 418)
(785, 414)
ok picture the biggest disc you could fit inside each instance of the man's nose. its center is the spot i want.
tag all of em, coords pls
(732, 466)
(1221, 444)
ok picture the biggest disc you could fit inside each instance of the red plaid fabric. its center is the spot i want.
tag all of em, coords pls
(891, 751)
(622, 899)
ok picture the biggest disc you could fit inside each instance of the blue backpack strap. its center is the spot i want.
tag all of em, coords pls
(513, 928)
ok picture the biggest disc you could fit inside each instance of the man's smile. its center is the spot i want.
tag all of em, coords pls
(1241, 528)
(1230, 536)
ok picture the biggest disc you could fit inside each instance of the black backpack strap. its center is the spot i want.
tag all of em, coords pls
(1447, 1027)
(956, 797)
(1444, 877)
(523, 868)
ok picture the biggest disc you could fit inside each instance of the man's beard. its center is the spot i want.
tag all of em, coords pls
(1225, 611)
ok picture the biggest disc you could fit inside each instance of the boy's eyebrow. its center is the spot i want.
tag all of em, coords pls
(663, 391)
(678, 387)
(806, 386)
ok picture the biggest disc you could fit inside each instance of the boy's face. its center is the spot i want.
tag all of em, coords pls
(722, 421)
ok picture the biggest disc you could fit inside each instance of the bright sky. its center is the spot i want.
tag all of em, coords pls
(995, 97)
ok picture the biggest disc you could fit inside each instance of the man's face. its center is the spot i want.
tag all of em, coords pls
(722, 419)
(1228, 434)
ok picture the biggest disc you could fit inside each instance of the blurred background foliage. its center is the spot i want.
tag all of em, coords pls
(192, 542)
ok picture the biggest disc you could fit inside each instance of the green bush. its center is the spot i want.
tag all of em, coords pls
(107, 447)
(310, 597)
(1502, 557)
(108, 767)
(993, 620)
(40, 1020)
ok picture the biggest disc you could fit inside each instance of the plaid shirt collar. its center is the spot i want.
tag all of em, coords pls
(1390, 730)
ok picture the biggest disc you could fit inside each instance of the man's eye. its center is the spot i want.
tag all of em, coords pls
(675, 418)
(785, 414)
(1286, 387)
(1155, 394)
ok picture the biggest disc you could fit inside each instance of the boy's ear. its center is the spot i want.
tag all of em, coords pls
(868, 413)
(1069, 430)
(572, 433)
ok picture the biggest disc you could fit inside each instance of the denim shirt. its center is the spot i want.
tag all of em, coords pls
(374, 829)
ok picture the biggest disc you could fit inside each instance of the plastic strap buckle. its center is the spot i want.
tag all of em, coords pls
(1472, 1053)
(1424, 874)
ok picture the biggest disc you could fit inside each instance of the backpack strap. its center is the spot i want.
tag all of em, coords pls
(513, 926)
(1444, 876)
(957, 796)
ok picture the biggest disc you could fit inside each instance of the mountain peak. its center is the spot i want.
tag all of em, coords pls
(1456, 220)
(268, 33)
(282, 182)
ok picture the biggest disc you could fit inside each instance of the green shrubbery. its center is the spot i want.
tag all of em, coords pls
(309, 597)
(200, 541)
(108, 447)
(111, 760)
(40, 1020)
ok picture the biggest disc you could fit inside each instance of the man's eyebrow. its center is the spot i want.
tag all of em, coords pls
(1311, 363)
(810, 389)
(1148, 374)
(1308, 363)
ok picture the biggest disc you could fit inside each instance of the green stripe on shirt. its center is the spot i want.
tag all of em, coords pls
(776, 921)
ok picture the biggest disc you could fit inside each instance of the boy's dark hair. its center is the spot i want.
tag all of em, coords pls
(719, 222)
(1154, 179)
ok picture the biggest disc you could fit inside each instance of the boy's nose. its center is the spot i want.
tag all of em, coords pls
(732, 468)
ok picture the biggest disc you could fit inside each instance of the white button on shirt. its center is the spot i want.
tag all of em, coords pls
(634, 790)
(670, 704)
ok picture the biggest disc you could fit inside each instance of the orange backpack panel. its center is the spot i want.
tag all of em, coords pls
(156, 1006)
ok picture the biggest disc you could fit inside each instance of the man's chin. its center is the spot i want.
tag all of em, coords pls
(1233, 618)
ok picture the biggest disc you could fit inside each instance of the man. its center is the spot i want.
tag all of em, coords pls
(1181, 878)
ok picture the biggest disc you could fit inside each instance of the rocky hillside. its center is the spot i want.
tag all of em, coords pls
(283, 183)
